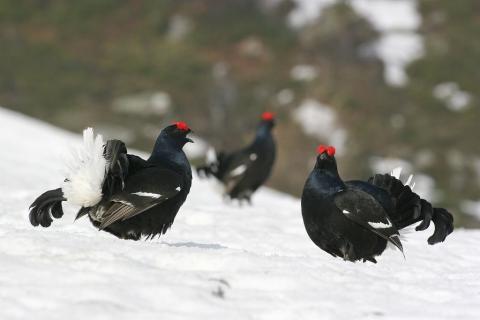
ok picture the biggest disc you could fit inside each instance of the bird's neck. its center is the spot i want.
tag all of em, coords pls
(327, 180)
(263, 134)
(327, 168)
(328, 173)
(168, 153)
(263, 130)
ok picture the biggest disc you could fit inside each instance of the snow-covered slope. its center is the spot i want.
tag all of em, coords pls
(219, 261)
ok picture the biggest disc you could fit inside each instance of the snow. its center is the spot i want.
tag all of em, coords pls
(219, 261)
(396, 20)
(398, 50)
(197, 149)
(472, 208)
(454, 98)
(399, 43)
(303, 72)
(285, 96)
(157, 103)
(388, 15)
(179, 27)
(307, 10)
(320, 121)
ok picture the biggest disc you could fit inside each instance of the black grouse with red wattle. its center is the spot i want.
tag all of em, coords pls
(121, 193)
(243, 172)
(355, 220)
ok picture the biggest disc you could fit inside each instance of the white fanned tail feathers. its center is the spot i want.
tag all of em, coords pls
(86, 171)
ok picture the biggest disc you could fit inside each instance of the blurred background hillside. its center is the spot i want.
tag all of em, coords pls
(388, 82)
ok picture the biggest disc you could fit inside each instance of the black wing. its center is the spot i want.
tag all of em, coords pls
(237, 168)
(144, 190)
(362, 208)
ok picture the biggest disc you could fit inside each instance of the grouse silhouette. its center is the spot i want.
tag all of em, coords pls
(242, 172)
(355, 220)
(121, 193)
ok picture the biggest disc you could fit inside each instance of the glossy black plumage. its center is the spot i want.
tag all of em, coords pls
(242, 172)
(139, 197)
(354, 220)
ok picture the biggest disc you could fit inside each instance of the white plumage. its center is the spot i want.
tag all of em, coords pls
(86, 171)
(238, 171)
(148, 195)
(381, 225)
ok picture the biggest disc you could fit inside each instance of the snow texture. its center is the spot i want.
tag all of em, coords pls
(454, 98)
(308, 10)
(397, 21)
(198, 149)
(303, 72)
(399, 43)
(157, 103)
(219, 261)
(472, 208)
(320, 121)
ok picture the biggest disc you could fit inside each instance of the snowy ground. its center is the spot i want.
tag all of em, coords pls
(219, 261)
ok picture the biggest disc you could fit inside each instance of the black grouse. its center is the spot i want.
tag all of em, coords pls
(243, 172)
(121, 193)
(355, 220)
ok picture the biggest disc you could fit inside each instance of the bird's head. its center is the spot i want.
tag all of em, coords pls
(326, 158)
(177, 133)
(268, 120)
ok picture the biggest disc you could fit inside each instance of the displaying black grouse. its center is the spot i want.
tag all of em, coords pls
(121, 193)
(244, 171)
(355, 220)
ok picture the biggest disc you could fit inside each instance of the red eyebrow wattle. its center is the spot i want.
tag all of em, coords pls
(182, 126)
(268, 116)
(321, 149)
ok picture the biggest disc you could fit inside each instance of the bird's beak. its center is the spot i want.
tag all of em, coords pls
(324, 156)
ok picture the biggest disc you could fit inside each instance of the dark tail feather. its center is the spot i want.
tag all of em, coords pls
(82, 212)
(410, 208)
(395, 240)
(205, 171)
(407, 204)
(210, 168)
(213, 168)
(443, 221)
(115, 152)
(46, 206)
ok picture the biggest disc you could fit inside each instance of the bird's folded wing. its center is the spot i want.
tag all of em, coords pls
(364, 209)
(145, 190)
(237, 168)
